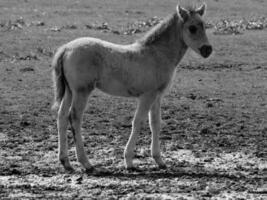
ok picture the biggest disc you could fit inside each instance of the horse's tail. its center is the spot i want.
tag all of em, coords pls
(58, 77)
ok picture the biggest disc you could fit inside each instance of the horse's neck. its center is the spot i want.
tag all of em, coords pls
(172, 44)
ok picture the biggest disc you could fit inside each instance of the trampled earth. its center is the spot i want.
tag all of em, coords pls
(215, 138)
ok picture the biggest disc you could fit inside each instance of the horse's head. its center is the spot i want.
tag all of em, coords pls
(193, 31)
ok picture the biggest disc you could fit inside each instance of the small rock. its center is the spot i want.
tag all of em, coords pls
(192, 96)
(55, 29)
(208, 159)
(205, 131)
(38, 23)
(79, 180)
(70, 27)
(15, 172)
(209, 105)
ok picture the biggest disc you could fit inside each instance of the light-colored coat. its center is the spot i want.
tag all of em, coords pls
(143, 70)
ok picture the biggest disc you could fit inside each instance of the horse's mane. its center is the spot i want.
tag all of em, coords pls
(162, 29)
(156, 33)
(191, 9)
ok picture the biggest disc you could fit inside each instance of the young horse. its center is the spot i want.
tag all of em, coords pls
(143, 70)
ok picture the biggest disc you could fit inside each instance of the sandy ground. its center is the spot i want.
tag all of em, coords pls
(215, 140)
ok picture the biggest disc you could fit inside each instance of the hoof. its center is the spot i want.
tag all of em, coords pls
(163, 166)
(90, 170)
(69, 169)
(66, 164)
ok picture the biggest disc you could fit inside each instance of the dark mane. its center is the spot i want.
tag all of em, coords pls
(191, 9)
(156, 33)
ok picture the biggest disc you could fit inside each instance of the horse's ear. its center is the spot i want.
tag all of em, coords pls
(182, 13)
(201, 9)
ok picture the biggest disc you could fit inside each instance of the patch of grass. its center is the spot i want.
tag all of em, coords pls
(235, 27)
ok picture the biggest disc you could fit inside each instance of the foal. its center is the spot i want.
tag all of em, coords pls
(143, 70)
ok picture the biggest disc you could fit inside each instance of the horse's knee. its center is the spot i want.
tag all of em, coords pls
(137, 123)
(73, 120)
(63, 111)
(62, 116)
(73, 115)
(128, 154)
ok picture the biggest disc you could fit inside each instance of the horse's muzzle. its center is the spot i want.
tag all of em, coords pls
(205, 50)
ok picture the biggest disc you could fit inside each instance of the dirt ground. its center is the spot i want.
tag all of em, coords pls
(215, 140)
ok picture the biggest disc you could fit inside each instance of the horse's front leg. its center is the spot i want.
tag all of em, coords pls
(155, 123)
(143, 107)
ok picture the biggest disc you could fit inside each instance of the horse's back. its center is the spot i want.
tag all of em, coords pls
(91, 42)
(89, 60)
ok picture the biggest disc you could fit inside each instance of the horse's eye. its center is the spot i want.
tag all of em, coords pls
(192, 29)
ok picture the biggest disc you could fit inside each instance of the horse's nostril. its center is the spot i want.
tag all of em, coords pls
(206, 50)
(209, 49)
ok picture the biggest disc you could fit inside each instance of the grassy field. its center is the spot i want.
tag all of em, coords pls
(215, 141)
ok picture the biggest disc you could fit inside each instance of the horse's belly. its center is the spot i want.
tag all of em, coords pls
(116, 88)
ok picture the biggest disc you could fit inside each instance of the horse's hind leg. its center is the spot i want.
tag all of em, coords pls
(62, 124)
(78, 105)
(154, 122)
(143, 107)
